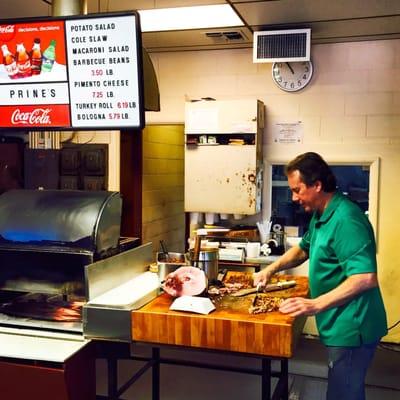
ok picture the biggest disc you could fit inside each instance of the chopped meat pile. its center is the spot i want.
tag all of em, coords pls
(185, 281)
(232, 284)
(265, 304)
(228, 288)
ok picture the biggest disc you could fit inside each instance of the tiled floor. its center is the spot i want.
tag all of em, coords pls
(305, 388)
(307, 377)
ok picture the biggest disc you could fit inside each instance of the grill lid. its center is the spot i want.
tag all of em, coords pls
(73, 220)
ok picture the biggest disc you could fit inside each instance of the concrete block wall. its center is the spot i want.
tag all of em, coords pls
(163, 165)
(350, 113)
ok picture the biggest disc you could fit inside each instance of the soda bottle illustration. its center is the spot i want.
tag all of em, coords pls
(49, 56)
(9, 62)
(23, 62)
(36, 57)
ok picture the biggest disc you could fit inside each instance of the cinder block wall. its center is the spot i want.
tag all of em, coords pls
(350, 113)
(163, 180)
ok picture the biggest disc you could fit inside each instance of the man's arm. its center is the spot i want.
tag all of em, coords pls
(342, 294)
(292, 258)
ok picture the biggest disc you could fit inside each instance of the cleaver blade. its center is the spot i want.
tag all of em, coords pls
(268, 288)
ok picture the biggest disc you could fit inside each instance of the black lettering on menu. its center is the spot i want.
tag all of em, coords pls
(81, 28)
(88, 117)
(119, 60)
(32, 93)
(86, 106)
(87, 84)
(116, 82)
(118, 49)
(104, 26)
(105, 105)
(90, 61)
(99, 38)
(88, 50)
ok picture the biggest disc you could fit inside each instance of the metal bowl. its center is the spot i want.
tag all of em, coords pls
(169, 262)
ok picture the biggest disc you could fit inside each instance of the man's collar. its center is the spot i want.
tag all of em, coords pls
(331, 207)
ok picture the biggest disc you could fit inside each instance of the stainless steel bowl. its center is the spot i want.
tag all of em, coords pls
(169, 262)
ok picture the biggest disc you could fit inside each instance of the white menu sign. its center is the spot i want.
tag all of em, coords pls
(103, 71)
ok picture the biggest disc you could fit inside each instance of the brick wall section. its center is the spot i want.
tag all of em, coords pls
(163, 180)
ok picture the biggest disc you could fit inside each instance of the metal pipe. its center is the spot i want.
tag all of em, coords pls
(68, 7)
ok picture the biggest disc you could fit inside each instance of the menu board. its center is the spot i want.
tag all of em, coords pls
(78, 72)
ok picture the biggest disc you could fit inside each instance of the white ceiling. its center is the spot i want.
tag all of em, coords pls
(329, 20)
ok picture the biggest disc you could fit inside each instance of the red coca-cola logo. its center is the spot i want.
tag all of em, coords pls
(7, 32)
(39, 116)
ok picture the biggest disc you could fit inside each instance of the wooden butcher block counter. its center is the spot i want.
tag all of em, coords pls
(229, 328)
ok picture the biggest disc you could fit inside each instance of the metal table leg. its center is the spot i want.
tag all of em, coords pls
(156, 373)
(285, 378)
(265, 379)
(112, 373)
(281, 391)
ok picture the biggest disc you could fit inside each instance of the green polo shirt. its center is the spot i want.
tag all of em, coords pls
(341, 243)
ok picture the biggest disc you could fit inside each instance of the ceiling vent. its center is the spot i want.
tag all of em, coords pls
(231, 36)
(283, 45)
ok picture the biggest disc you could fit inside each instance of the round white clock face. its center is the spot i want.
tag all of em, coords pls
(292, 76)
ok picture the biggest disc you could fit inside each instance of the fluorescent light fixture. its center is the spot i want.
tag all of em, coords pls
(196, 17)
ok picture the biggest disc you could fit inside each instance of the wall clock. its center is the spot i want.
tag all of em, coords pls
(292, 76)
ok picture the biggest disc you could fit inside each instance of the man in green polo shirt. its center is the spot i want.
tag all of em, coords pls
(345, 295)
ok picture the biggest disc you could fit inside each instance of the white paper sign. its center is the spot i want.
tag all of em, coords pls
(288, 132)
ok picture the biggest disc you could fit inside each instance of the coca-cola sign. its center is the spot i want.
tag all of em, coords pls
(38, 116)
(7, 28)
(26, 116)
(7, 32)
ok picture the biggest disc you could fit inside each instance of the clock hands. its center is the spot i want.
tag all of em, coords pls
(290, 67)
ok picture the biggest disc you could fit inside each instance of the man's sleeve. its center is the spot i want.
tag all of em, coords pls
(305, 242)
(355, 247)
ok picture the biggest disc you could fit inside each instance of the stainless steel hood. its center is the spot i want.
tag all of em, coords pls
(330, 21)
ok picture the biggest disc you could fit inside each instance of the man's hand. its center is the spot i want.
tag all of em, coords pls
(342, 294)
(262, 277)
(296, 306)
(292, 258)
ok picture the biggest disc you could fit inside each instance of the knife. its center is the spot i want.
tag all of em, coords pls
(258, 288)
(268, 288)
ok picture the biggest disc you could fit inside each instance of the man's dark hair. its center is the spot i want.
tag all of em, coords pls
(312, 168)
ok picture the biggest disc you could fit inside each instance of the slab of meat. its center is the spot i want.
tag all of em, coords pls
(185, 281)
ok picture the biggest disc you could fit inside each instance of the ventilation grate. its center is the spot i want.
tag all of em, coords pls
(229, 36)
(287, 45)
(234, 35)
